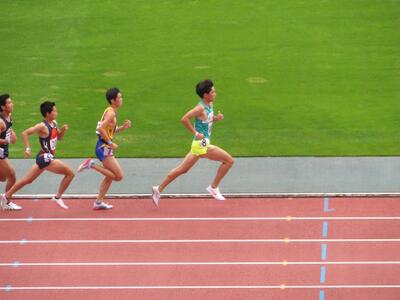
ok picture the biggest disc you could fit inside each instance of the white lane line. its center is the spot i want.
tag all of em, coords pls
(282, 287)
(251, 263)
(285, 240)
(287, 218)
(368, 196)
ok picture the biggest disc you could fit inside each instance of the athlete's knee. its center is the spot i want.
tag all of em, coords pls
(70, 176)
(8, 177)
(118, 177)
(12, 174)
(70, 173)
(230, 161)
(12, 177)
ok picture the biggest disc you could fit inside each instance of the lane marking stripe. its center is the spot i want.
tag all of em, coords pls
(285, 240)
(284, 263)
(16, 288)
(32, 219)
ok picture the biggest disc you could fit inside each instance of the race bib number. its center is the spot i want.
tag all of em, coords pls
(53, 144)
(108, 151)
(204, 142)
(48, 157)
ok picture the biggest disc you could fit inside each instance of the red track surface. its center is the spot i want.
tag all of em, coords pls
(272, 270)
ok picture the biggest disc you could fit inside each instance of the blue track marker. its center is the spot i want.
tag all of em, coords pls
(322, 276)
(325, 229)
(324, 251)
(326, 205)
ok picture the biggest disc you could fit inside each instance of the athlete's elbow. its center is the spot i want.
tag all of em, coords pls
(24, 136)
(24, 133)
(184, 120)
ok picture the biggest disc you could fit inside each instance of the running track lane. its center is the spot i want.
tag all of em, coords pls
(245, 272)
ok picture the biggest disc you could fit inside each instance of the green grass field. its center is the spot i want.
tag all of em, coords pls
(313, 78)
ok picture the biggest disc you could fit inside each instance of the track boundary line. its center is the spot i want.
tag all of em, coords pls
(288, 218)
(250, 263)
(134, 196)
(282, 287)
(284, 240)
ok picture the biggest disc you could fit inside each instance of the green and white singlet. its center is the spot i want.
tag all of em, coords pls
(199, 147)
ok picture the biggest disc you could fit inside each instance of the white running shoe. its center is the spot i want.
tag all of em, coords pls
(102, 205)
(87, 164)
(5, 205)
(14, 206)
(155, 195)
(215, 193)
(59, 201)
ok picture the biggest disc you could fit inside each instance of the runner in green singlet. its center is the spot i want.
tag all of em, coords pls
(201, 147)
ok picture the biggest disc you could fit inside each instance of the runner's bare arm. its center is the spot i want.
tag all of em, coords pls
(3, 128)
(218, 117)
(13, 136)
(40, 129)
(108, 119)
(127, 124)
(61, 133)
(195, 112)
